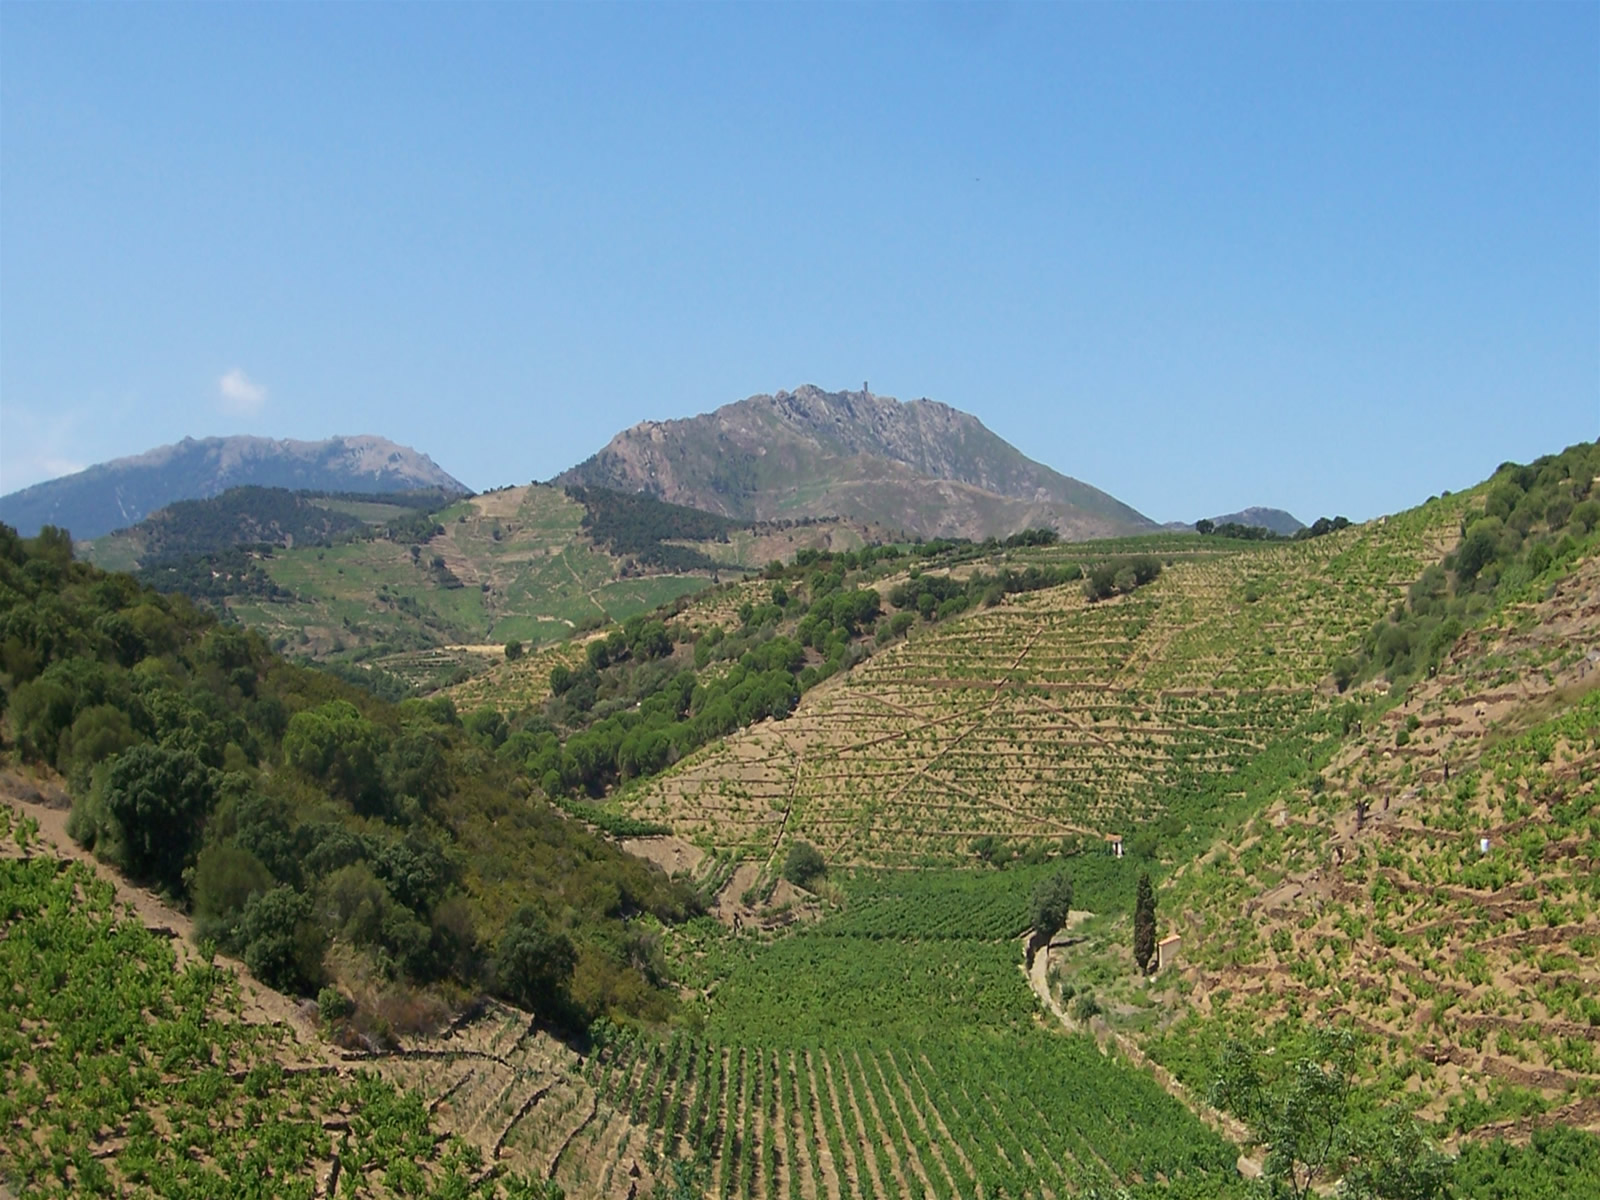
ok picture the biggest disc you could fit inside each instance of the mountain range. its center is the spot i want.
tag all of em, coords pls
(917, 468)
(920, 466)
(119, 493)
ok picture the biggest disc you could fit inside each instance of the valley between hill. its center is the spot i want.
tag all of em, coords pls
(1358, 768)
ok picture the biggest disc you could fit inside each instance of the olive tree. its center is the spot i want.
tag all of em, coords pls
(1052, 901)
(1304, 1110)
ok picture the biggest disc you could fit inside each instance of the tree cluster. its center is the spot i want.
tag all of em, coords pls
(1120, 576)
(641, 527)
(1260, 533)
(1052, 903)
(935, 597)
(243, 516)
(291, 811)
(215, 575)
(1306, 1110)
(1321, 527)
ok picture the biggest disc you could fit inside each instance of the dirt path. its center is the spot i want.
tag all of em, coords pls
(727, 904)
(788, 809)
(1227, 1126)
(588, 594)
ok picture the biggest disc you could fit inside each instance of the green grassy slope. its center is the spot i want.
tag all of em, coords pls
(424, 593)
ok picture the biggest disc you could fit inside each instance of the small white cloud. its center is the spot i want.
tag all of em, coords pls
(39, 446)
(239, 394)
(18, 473)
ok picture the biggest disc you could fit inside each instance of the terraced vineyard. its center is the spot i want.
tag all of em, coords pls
(522, 1097)
(525, 683)
(123, 1073)
(1049, 716)
(892, 1051)
(1475, 969)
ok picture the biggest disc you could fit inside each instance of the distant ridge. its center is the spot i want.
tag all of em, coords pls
(919, 465)
(1274, 519)
(122, 492)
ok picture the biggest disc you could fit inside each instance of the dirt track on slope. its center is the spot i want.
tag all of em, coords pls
(1108, 1039)
(46, 802)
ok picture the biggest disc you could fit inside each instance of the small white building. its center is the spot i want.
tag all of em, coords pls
(1114, 844)
(1167, 951)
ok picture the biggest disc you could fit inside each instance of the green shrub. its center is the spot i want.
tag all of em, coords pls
(334, 1005)
(225, 880)
(158, 796)
(283, 945)
(534, 964)
(804, 864)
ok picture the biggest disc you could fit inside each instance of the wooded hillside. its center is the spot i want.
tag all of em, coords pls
(324, 835)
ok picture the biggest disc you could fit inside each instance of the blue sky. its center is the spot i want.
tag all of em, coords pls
(1328, 257)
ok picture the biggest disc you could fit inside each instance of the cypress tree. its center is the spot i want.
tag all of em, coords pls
(1144, 923)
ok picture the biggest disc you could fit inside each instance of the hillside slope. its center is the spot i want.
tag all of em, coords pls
(1047, 716)
(439, 1090)
(1412, 859)
(116, 494)
(253, 516)
(427, 584)
(920, 466)
(1375, 897)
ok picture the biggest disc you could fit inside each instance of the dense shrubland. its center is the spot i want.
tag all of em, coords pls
(1535, 520)
(315, 830)
(247, 515)
(208, 549)
(215, 575)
